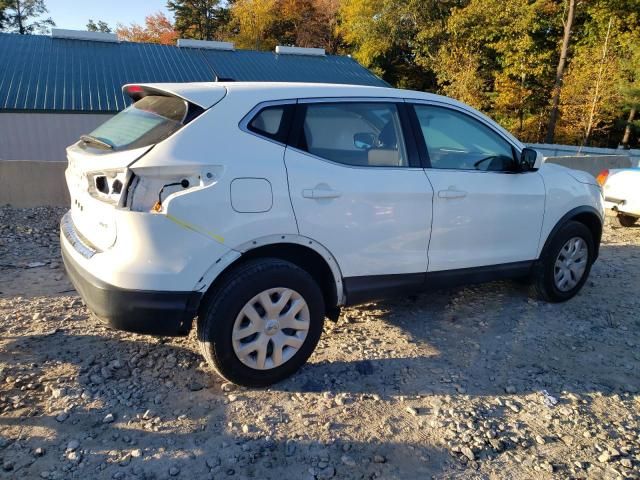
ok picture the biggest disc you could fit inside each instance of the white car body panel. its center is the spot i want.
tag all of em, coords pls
(622, 191)
(564, 195)
(380, 225)
(484, 218)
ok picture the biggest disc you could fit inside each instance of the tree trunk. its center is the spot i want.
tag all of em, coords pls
(627, 130)
(594, 104)
(19, 18)
(557, 87)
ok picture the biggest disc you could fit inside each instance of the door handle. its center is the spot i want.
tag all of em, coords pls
(320, 193)
(452, 193)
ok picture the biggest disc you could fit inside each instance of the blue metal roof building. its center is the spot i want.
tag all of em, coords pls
(46, 74)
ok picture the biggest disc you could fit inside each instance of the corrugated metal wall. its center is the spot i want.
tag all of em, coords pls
(39, 73)
(43, 136)
(42, 73)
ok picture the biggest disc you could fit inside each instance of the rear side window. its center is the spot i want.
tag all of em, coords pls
(273, 122)
(359, 134)
(146, 122)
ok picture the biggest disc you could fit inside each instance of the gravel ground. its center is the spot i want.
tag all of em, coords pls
(477, 382)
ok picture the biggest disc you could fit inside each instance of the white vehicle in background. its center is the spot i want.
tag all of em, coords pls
(262, 208)
(621, 188)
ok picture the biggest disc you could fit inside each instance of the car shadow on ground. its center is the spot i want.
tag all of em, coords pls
(492, 336)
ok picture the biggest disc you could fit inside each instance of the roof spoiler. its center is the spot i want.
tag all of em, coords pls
(204, 95)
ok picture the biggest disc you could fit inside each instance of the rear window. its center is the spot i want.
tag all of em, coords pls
(149, 120)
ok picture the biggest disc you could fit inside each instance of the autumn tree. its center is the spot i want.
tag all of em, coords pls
(263, 24)
(504, 68)
(251, 21)
(397, 39)
(100, 26)
(199, 19)
(157, 28)
(26, 16)
(593, 107)
(562, 62)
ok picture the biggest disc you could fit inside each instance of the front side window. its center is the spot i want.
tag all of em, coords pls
(358, 133)
(457, 141)
(146, 122)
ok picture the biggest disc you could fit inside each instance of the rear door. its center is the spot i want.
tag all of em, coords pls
(357, 188)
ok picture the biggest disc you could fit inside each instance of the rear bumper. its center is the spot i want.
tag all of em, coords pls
(138, 311)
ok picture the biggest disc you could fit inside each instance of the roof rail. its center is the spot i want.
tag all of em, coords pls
(83, 35)
(282, 50)
(210, 44)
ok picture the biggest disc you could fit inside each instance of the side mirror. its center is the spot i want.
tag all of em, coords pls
(530, 160)
(364, 140)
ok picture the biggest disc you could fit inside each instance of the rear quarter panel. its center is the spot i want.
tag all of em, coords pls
(215, 141)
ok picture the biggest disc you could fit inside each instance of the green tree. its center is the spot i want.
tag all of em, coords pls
(397, 39)
(199, 19)
(101, 26)
(26, 16)
(630, 90)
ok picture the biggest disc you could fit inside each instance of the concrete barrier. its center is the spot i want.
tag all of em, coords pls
(557, 150)
(26, 183)
(592, 164)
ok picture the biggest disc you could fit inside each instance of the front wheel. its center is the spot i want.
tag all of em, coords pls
(262, 322)
(565, 263)
(626, 220)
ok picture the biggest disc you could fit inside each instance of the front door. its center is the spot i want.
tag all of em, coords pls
(358, 189)
(484, 213)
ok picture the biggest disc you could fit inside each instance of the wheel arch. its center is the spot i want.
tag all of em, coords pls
(586, 215)
(304, 252)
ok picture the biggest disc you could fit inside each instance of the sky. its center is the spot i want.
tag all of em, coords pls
(74, 14)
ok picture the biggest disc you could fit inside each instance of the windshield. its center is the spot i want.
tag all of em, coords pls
(148, 121)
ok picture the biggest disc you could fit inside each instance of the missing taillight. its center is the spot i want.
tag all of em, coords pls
(102, 185)
(116, 187)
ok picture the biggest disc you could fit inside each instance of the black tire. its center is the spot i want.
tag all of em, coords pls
(626, 220)
(543, 282)
(220, 308)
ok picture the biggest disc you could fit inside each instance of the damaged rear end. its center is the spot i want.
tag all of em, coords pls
(119, 244)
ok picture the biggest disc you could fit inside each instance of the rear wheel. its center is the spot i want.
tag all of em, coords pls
(565, 263)
(262, 322)
(626, 220)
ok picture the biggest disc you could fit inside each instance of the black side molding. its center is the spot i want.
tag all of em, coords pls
(378, 287)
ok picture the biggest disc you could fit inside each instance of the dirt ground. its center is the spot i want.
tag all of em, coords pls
(478, 382)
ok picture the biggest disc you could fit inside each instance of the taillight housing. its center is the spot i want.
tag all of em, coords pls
(107, 185)
(602, 177)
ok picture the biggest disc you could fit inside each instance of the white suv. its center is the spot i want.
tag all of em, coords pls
(261, 208)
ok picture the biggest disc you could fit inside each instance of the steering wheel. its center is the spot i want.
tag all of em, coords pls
(482, 160)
